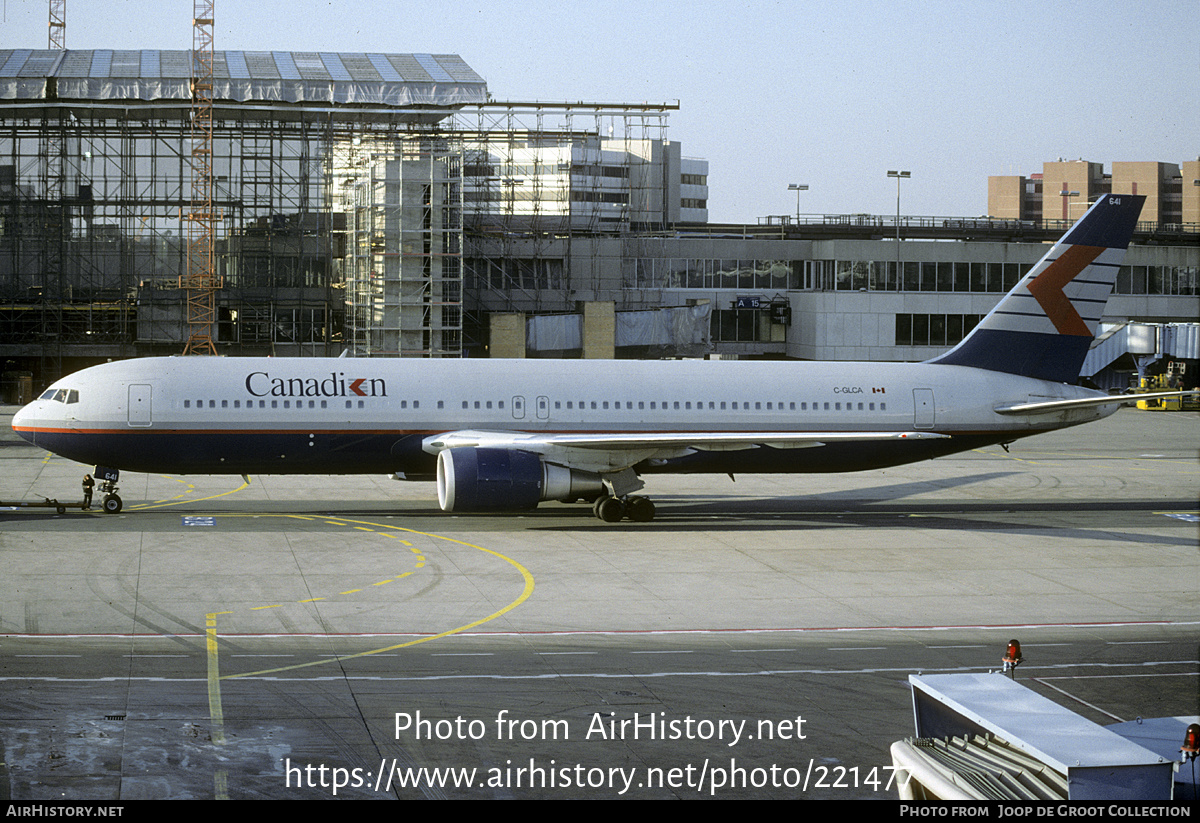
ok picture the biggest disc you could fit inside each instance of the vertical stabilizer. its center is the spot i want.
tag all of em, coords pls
(1044, 326)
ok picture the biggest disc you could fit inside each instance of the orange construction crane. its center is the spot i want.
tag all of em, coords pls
(200, 281)
(58, 25)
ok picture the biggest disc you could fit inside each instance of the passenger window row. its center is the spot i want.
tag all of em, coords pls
(715, 405)
(688, 405)
(278, 404)
(72, 396)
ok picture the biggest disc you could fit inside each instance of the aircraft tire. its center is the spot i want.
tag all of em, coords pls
(112, 504)
(610, 509)
(640, 509)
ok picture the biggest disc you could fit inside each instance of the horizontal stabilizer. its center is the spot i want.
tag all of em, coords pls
(1088, 402)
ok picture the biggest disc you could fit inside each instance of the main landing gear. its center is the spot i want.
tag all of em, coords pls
(614, 509)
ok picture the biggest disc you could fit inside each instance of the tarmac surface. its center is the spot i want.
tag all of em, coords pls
(301, 637)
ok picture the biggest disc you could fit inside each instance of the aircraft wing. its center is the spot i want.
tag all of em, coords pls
(713, 441)
(1048, 406)
(619, 450)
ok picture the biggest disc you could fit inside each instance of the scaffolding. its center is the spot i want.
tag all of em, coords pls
(377, 203)
(404, 219)
(98, 208)
(550, 191)
(104, 235)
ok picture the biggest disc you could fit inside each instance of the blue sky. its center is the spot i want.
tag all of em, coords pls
(830, 94)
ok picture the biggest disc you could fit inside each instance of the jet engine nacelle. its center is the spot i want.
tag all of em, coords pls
(490, 480)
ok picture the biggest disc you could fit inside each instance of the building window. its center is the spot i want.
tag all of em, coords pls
(934, 329)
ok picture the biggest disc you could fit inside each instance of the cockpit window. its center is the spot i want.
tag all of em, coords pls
(61, 395)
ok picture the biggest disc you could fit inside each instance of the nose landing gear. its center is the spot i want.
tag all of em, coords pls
(111, 501)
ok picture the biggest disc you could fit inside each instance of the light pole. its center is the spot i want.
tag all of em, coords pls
(899, 175)
(797, 187)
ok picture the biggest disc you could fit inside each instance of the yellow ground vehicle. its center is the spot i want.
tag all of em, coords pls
(1171, 379)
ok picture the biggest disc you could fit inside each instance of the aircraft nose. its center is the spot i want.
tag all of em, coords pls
(20, 423)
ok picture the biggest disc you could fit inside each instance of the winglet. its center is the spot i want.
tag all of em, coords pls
(1044, 326)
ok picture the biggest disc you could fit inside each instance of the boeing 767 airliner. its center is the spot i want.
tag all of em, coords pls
(503, 435)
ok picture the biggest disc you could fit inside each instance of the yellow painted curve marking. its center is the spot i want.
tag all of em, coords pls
(215, 707)
(526, 593)
(163, 505)
(191, 487)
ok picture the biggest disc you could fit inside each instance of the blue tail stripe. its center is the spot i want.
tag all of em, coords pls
(1054, 357)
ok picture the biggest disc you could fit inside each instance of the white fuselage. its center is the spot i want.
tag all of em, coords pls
(343, 415)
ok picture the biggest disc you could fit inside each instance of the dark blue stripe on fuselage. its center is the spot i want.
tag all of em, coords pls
(830, 458)
(199, 452)
(290, 453)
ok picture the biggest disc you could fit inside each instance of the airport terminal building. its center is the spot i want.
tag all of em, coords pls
(388, 206)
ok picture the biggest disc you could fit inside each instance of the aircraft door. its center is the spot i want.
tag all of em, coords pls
(518, 407)
(543, 408)
(923, 409)
(139, 405)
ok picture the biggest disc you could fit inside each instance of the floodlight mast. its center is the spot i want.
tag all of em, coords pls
(899, 175)
(797, 187)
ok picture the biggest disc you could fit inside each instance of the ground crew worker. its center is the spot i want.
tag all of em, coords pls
(88, 485)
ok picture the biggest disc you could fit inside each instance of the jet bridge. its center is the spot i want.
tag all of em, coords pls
(985, 736)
